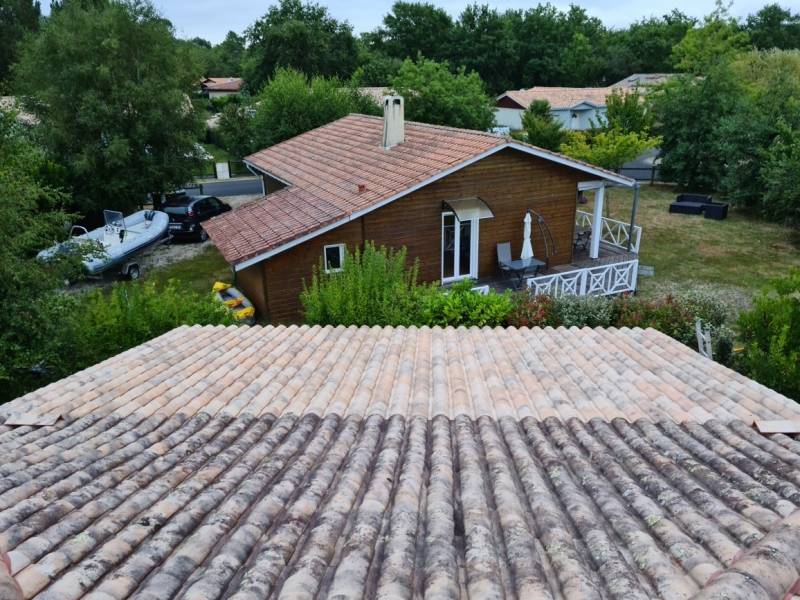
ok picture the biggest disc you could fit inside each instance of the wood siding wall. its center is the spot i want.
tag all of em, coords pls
(509, 182)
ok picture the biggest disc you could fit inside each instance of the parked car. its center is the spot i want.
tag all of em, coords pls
(187, 213)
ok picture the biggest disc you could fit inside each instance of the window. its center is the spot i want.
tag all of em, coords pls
(334, 258)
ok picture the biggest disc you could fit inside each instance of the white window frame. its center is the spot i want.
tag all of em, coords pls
(473, 254)
(342, 255)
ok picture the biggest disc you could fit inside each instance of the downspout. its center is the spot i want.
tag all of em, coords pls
(634, 208)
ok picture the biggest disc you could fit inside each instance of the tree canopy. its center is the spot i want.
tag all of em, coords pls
(541, 128)
(434, 94)
(299, 36)
(291, 103)
(111, 88)
(17, 19)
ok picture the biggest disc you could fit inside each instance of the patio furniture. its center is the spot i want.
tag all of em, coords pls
(582, 237)
(519, 268)
(716, 210)
(695, 204)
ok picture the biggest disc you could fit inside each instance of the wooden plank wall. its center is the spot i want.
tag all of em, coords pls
(509, 182)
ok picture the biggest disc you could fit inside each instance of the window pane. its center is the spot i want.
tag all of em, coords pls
(333, 257)
(448, 246)
(464, 250)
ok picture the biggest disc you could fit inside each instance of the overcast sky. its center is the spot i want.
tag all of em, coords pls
(212, 19)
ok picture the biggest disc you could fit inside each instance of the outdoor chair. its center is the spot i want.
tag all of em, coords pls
(716, 210)
(504, 256)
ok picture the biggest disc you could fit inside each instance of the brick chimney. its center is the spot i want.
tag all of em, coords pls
(394, 126)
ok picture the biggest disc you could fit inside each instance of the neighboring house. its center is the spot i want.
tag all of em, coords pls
(220, 87)
(308, 462)
(447, 195)
(376, 93)
(575, 108)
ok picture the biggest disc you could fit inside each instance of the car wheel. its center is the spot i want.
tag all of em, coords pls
(133, 272)
(203, 235)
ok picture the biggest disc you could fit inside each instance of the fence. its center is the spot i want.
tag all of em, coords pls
(210, 169)
(613, 232)
(602, 280)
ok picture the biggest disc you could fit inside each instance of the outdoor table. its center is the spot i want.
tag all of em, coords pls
(523, 266)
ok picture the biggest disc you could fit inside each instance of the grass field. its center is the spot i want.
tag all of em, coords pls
(733, 258)
(197, 273)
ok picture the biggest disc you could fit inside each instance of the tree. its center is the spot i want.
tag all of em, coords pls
(774, 27)
(435, 95)
(610, 148)
(483, 42)
(413, 28)
(119, 120)
(719, 39)
(302, 37)
(31, 218)
(541, 128)
(291, 104)
(17, 18)
(628, 112)
(781, 197)
(229, 55)
(375, 67)
(645, 46)
(764, 102)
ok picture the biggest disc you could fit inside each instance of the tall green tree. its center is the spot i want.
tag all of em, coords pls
(483, 42)
(111, 88)
(541, 128)
(688, 111)
(230, 55)
(302, 36)
(291, 104)
(434, 94)
(607, 148)
(31, 218)
(718, 40)
(646, 45)
(413, 28)
(774, 27)
(765, 102)
(17, 18)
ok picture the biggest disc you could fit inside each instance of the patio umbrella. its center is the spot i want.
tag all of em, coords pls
(527, 248)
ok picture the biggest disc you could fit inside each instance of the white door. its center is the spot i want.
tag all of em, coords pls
(459, 248)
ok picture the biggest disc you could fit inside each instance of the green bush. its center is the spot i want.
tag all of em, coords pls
(528, 310)
(373, 288)
(771, 336)
(583, 311)
(459, 305)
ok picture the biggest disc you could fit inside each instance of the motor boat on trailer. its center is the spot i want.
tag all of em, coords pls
(116, 243)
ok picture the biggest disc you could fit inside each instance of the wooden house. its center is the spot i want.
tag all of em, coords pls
(449, 196)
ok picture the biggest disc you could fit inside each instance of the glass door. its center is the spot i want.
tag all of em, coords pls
(459, 248)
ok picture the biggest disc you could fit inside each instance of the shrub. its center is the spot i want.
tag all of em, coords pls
(528, 310)
(583, 311)
(771, 336)
(103, 323)
(373, 288)
(459, 305)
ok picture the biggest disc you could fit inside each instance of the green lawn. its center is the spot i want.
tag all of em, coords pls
(733, 258)
(219, 154)
(197, 273)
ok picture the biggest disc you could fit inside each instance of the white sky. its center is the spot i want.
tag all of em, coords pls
(212, 19)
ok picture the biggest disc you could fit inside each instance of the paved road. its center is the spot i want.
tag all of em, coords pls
(233, 187)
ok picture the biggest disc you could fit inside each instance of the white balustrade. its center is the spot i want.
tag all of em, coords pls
(613, 232)
(602, 280)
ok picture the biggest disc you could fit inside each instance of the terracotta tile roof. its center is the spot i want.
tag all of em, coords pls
(559, 97)
(223, 84)
(583, 373)
(295, 462)
(339, 169)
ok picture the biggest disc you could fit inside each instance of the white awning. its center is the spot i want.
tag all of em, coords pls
(467, 209)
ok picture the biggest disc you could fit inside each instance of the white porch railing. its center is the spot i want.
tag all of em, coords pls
(602, 280)
(613, 232)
